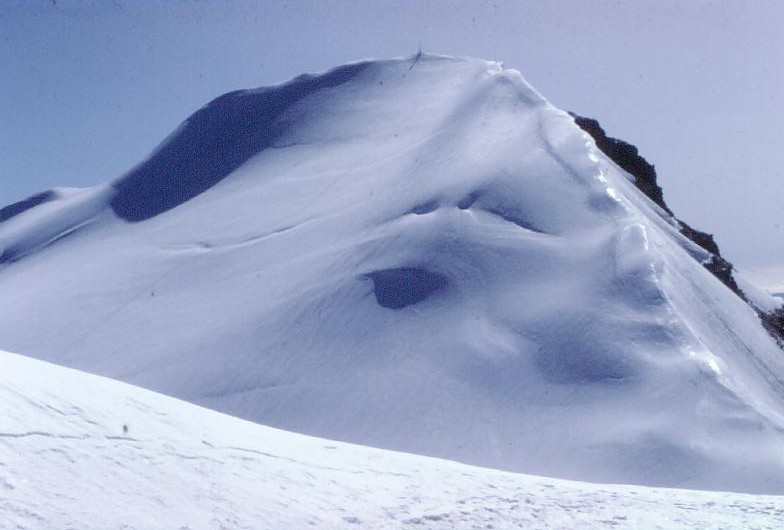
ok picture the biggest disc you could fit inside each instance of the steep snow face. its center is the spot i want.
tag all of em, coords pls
(214, 142)
(425, 256)
(80, 451)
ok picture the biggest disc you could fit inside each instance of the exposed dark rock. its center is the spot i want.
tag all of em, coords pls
(402, 287)
(704, 240)
(722, 269)
(774, 323)
(212, 143)
(628, 158)
(12, 210)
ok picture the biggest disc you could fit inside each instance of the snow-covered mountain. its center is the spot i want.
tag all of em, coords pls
(80, 451)
(422, 255)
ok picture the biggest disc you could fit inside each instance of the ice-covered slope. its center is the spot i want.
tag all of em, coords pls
(80, 451)
(424, 256)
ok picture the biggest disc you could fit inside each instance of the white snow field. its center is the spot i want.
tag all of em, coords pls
(419, 255)
(67, 463)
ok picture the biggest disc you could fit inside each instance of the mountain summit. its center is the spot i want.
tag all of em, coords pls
(423, 255)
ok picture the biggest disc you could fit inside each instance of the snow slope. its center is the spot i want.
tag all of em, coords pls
(67, 463)
(419, 255)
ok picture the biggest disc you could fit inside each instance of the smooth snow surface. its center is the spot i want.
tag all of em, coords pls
(766, 301)
(80, 451)
(423, 256)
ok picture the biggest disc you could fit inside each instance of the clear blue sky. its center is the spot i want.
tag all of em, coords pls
(88, 88)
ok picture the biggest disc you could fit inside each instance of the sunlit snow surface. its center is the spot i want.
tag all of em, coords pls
(560, 324)
(68, 462)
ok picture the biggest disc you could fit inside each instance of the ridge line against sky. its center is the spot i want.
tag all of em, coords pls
(90, 88)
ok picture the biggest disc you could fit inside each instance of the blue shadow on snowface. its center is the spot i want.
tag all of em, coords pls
(12, 210)
(402, 287)
(212, 143)
(578, 350)
(13, 253)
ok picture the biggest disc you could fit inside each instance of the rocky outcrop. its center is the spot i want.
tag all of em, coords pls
(627, 156)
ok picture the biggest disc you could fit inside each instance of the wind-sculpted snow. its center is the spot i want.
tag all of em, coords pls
(629, 159)
(79, 451)
(12, 210)
(49, 220)
(430, 258)
(213, 142)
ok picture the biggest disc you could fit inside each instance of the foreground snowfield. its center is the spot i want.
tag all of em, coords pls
(547, 317)
(67, 463)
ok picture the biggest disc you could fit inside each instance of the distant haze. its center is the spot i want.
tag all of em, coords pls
(87, 89)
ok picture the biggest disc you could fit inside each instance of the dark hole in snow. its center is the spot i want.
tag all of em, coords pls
(212, 143)
(12, 210)
(428, 207)
(512, 217)
(468, 201)
(399, 288)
